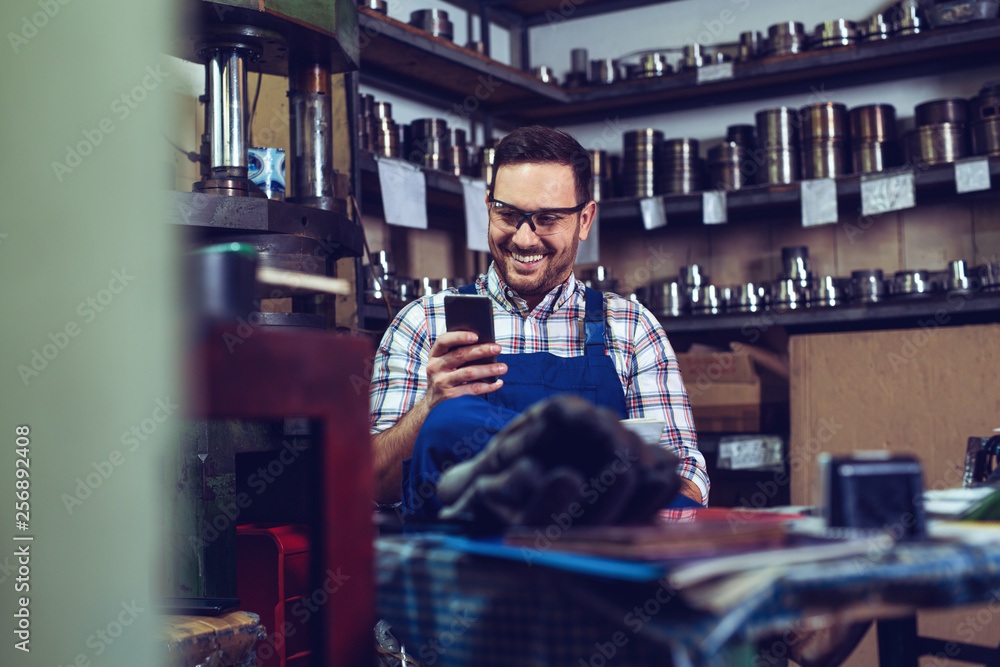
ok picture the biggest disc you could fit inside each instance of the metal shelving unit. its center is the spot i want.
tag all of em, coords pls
(403, 59)
(933, 310)
(931, 182)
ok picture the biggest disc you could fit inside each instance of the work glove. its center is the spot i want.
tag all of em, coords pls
(561, 452)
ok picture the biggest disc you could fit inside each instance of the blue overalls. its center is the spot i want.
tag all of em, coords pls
(459, 428)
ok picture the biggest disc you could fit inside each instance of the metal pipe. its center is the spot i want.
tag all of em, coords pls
(226, 80)
(311, 134)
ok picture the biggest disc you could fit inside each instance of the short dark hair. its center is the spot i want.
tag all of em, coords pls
(543, 145)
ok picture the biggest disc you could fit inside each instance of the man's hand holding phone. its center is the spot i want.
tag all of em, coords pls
(456, 366)
(463, 360)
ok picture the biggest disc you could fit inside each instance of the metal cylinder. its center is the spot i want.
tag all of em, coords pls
(226, 80)
(867, 286)
(385, 138)
(486, 156)
(654, 64)
(751, 45)
(936, 144)
(786, 38)
(726, 166)
(639, 162)
(429, 143)
(948, 110)
(873, 122)
(745, 298)
(681, 169)
(839, 32)
(604, 70)
(458, 152)
(667, 298)
(600, 180)
(985, 117)
(311, 134)
(986, 137)
(781, 166)
(795, 263)
(744, 135)
(874, 156)
(434, 21)
(823, 122)
(545, 74)
(579, 61)
(825, 159)
(777, 128)
(877, 28)
(694, 56)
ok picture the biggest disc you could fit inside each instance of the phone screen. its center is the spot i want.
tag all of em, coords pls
(464, 312)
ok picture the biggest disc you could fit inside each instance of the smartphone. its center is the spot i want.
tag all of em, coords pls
(466, 312)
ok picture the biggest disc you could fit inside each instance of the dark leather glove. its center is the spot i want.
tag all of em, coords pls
(563, 455)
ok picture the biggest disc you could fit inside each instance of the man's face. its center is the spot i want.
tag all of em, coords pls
(530, 264)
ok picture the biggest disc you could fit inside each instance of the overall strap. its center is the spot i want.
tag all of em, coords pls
(593, 324)
(468, 289)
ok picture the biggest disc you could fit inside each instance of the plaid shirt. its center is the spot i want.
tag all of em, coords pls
(639, 348)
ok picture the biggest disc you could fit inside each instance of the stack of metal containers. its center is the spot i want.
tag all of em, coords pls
(680, 167)
(378, 132)
(940, 135)
(985, 112)
(779, 143)
(873, 138)
(428, 143)
(600, 175)
(730, 166)
(824, 140)
(639, 168)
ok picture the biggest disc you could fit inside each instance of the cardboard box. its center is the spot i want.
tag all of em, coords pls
(724, 390)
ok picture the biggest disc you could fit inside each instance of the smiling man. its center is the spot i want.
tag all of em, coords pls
(553, 335)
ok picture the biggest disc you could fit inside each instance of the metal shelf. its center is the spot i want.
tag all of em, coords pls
(400, 57)
(811, 73)
(530, 13)
(931, 181)
(407, 60)
(905, 312)
(445, 193)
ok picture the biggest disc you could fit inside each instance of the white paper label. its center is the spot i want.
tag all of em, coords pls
(717, 72)
(404, 193)
(653, 213)
(745, 453)
(882, 194)
(972, 175)
(477, 219)
(588, 252)
(713, 207)
(819, 201)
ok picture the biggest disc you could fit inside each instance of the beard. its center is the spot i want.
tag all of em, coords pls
(558, 265)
